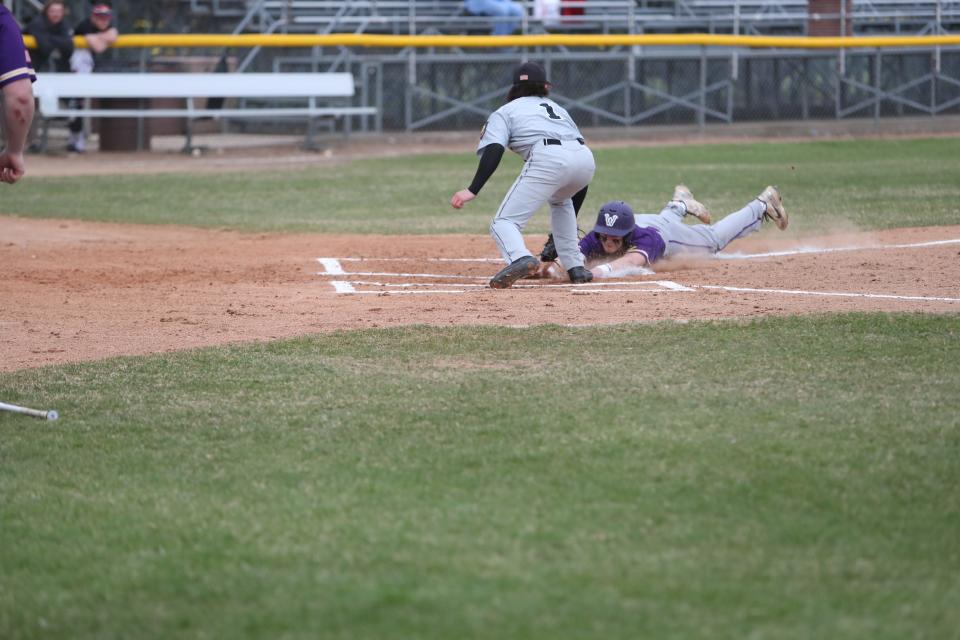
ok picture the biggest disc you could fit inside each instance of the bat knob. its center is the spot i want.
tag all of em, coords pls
(52, 415)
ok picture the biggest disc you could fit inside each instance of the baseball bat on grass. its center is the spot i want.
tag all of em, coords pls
(35, 413)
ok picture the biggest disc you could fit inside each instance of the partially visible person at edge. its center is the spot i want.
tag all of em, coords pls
(558, 167)
(623, 244)
(54, 38)
(510, 12)
(99, 32)
(16, 91)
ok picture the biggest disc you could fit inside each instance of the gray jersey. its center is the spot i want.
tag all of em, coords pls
(524, 122)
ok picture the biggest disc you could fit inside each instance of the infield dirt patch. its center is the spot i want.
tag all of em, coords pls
(74, 291)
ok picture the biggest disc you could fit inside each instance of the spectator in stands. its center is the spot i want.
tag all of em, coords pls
(54, 39)
(507, 9)
(16, 97)
(99, 32)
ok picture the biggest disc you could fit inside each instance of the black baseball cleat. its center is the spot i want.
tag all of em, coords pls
(519, 268)
(549, 251)
(580, 275)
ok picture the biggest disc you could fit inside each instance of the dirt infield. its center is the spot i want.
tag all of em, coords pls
(75, 291)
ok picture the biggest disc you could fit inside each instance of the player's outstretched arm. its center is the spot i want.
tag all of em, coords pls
(626, 265)
(17, 116)
(461, 198)
(489, 161)
(550, 270)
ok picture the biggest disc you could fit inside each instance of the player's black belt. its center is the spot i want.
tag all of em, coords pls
(555, 141)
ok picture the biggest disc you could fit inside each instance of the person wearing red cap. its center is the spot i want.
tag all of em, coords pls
(99, 32)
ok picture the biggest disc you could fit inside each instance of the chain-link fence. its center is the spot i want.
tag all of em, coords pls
(434, 91)
(626, 87)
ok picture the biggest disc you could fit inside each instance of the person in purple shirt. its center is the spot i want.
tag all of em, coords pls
(623, 244)
(16, 92)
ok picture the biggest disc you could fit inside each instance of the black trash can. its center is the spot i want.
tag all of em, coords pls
(123, 134)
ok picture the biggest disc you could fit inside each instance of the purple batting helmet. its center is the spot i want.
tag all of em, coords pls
(615, 219)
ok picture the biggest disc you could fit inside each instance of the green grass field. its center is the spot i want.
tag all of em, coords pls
(865, 184)
(783, 478)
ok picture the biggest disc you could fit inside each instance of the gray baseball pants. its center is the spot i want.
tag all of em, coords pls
(683, 238)
(552, 174)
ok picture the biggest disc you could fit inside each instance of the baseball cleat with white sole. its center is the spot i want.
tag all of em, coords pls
(520, 268)
(774, 211)
(694, 207)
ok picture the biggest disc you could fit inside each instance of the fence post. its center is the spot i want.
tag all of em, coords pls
(839, 73)
(702, 115)
(939, 30)
(411, 85)
(934, 64)
(804, 98)
(877, 84)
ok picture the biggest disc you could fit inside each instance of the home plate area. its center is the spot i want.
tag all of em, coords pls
(370, 276)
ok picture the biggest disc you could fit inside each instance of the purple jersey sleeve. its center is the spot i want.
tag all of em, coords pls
(648, 241)
(590, 246)
(644, 239)
(14, 59)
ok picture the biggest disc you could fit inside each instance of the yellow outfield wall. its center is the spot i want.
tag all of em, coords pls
(543, 40)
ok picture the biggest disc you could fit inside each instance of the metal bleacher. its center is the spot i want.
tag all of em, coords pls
(418, 16)
(601, 16)
(399, 17)
(914, 18)
(758, 16)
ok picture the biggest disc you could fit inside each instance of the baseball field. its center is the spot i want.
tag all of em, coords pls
(291, 408)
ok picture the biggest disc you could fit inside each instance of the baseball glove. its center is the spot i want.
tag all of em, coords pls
(549, 251)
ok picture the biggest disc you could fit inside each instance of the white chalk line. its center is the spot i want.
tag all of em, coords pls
(400, 293)
(389, 274)
(333, 266)
(578, 292)
(807, 250)
(484, 260)
(833, 294)
(664, 284)
(627, 287)
(341, 286)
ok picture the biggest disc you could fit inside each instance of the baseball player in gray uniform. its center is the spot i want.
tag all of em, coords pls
(557, 168)
(626, 243)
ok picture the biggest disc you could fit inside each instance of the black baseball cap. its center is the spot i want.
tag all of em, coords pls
(529, 72)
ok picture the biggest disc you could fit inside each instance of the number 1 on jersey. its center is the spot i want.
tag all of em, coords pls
(550, 111)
